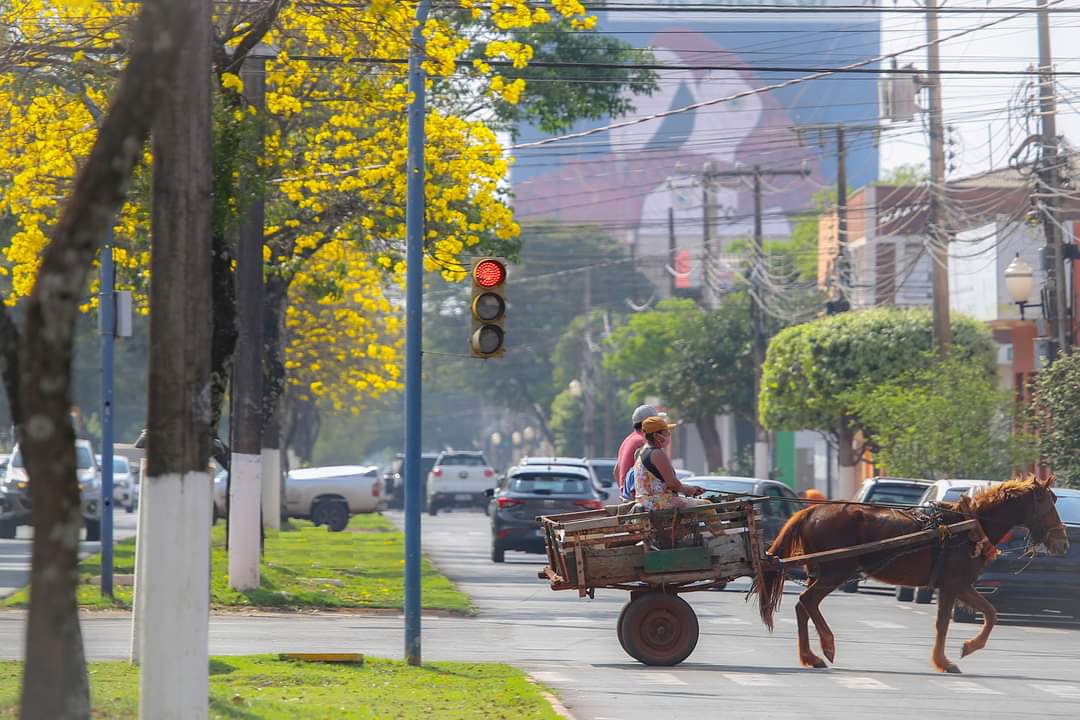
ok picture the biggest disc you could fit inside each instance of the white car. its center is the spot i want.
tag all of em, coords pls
(330, 495)
(953, 490)
(125, 493)
(460, 478)
(15, 493)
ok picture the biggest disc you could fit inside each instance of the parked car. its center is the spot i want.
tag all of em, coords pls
(603, 471)
(221, 494)
(901, 492)
(123, 494)
(330, 495)
(1015, 582)
(952, 490)
(394, 479)
(15, 493)
(458, 479)
(4, 459)
(774, 513)
(531, 490)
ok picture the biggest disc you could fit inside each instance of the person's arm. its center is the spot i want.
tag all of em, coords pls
(667, 474)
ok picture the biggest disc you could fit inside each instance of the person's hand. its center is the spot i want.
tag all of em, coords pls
(693, 490)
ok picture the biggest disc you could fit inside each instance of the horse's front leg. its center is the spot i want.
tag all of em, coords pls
(946, 600)
(803, 613)
(971, 597)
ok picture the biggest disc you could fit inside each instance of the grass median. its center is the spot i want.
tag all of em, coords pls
(303, 567)
(262, 686)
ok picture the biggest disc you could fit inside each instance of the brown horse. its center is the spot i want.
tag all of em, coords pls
(953, 566)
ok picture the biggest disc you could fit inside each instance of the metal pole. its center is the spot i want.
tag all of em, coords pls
(414, 278)
(107, 315)
(1048, 176)
(939, 250)
(706, 234)
(757, 321)
(588, 389)
(842, 260)
(671, 248)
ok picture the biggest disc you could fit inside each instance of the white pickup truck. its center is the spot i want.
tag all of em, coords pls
(459, 479)
(330, 495)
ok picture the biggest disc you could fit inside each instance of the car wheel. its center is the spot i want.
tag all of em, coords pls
(924, 595)
(432, 509)
(905, 594)
(963, 614)
(851, 586)
(93, 530)
(334, 514)
(498, 552)
(7, 529)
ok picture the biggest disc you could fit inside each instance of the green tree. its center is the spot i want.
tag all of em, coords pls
(948, 420)
(1055, 418)
(698, 362)
(815, 372)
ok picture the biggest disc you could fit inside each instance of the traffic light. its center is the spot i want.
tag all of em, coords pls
(488, 307)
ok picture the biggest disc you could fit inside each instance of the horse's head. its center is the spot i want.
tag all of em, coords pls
(1041, 518)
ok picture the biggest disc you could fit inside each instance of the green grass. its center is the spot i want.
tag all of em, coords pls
(263, 687)
(303, 566)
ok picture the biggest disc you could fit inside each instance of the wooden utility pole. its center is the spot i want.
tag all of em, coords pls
(758, 316)
(1049, 185)
(588, 376)
(939, 234)
(174, 590)
(707, 212)
(245, 464)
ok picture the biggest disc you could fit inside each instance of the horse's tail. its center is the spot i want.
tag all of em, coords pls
(769, 582)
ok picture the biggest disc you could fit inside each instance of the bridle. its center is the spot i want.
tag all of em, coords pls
(1055, 531)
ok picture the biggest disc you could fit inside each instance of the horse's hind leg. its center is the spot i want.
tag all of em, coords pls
(946, 600)
(970, 596)
(802, 613)
(817, 591)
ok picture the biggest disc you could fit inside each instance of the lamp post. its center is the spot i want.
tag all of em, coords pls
(1019, 280)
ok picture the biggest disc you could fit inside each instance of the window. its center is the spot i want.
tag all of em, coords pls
(783, 506)
(84, 459)
(16, 459)
(120, 464)
(549, 484)
(890, 494)
(465, 460)
(1068, 508)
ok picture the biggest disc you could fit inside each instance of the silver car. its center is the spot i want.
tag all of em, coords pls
(15, 505)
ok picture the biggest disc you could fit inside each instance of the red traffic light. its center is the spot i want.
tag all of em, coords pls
(489, 273)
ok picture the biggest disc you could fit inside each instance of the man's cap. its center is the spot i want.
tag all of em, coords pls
(642, 412)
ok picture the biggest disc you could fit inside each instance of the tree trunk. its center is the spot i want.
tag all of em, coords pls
(848, 459)
(302, 431)
(276, 295)
(223, 335)
(54, 681)
(710, 440)
(9, 364)
(174, 590)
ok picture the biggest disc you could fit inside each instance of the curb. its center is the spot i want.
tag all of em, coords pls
(556, 704)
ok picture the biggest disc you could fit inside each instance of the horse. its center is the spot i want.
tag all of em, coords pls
(953, 565)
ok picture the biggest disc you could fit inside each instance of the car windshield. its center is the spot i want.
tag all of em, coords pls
(1068, 508)
(120, 464)
(469, 460)
(603, 468)
(16, 460)
(549, 484)
(895, 494)
(724, 486)
(84, 459)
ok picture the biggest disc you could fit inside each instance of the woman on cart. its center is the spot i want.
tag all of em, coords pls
(656, 485)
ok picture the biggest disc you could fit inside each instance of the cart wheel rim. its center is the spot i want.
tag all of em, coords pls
(661, 630)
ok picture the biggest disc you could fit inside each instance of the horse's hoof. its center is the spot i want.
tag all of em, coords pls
(813, 662)
(830, 653)
(966, 650)
(952, 669)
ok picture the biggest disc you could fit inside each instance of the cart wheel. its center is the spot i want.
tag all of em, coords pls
(659, 629)
(619, 625)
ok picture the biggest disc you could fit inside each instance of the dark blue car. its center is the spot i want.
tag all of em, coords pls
(1040, 585)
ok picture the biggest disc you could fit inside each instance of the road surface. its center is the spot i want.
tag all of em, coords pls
(15, 554)
(737, 670)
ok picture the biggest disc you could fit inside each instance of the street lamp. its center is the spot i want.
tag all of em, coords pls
(496, 439)
(1019, 280)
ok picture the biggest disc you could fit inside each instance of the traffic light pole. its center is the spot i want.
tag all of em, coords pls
(107, 315)
(414, 278)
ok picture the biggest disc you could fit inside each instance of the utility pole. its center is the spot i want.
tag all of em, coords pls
(843, 257)
(107, 329)
(245, 464)
(939, 235)
(589, 390)
(707, 178)
(671, 248)
(414, 298)
(1049, 184)
(174, 587)
(758, 316)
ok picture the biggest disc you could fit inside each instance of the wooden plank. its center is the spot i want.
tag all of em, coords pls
(900, 541)
(579, 560)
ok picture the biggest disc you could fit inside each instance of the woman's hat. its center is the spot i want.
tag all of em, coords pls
(656, 424)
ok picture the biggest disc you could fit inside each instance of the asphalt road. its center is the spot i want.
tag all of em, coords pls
(738, 669)
(15, 554)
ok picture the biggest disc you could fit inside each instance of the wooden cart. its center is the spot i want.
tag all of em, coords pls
(658, 556)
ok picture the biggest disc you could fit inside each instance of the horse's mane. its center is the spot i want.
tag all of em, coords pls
(990, 497)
